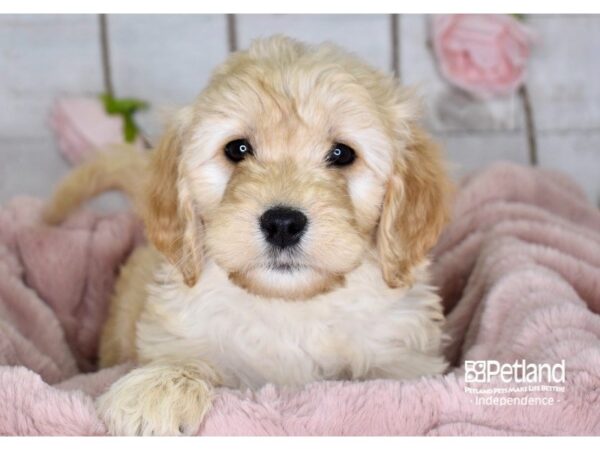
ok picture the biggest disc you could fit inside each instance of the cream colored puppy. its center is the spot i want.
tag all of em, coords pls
(290, 210)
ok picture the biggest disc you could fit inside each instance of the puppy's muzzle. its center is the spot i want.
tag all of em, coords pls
(283, 226)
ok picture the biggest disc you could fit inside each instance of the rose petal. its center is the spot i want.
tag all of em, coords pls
(483, 54)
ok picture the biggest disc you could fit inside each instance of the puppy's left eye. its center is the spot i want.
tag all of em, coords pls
(340, 155)
(238, 150)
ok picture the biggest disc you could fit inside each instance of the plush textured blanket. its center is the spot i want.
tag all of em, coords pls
(518, 268)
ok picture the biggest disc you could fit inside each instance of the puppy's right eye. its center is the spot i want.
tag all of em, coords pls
(237, 150)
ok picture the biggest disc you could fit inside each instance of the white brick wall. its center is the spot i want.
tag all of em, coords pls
(166, 59)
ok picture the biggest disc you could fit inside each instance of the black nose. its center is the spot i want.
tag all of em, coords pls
(283, 226)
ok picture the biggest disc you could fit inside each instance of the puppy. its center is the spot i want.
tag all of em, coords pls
(289, 210)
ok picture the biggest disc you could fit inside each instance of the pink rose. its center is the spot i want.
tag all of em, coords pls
(480, 53)
(83, 127)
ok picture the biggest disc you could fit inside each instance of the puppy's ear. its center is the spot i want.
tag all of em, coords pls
(170, 220)
(415, 208)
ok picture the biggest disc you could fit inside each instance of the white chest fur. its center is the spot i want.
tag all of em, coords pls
(362, 330)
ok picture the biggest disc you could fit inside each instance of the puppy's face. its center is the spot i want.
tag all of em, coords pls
(291, 165)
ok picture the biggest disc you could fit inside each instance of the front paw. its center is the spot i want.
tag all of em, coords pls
(156, 400)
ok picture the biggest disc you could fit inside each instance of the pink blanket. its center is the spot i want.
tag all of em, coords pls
(519, 270)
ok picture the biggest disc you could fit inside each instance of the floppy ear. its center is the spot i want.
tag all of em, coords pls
(170, 220)
(415, 208)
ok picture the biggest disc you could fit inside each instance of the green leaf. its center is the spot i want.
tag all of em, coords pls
(126, 108)
(130, 129)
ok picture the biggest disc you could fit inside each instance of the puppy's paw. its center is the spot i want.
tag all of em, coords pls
(156, 400)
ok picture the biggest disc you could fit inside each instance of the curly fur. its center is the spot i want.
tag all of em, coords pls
(357, 305)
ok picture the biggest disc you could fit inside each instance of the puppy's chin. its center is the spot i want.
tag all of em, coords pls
(286, 282)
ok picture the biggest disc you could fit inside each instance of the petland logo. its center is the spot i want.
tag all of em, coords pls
(484, 371)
